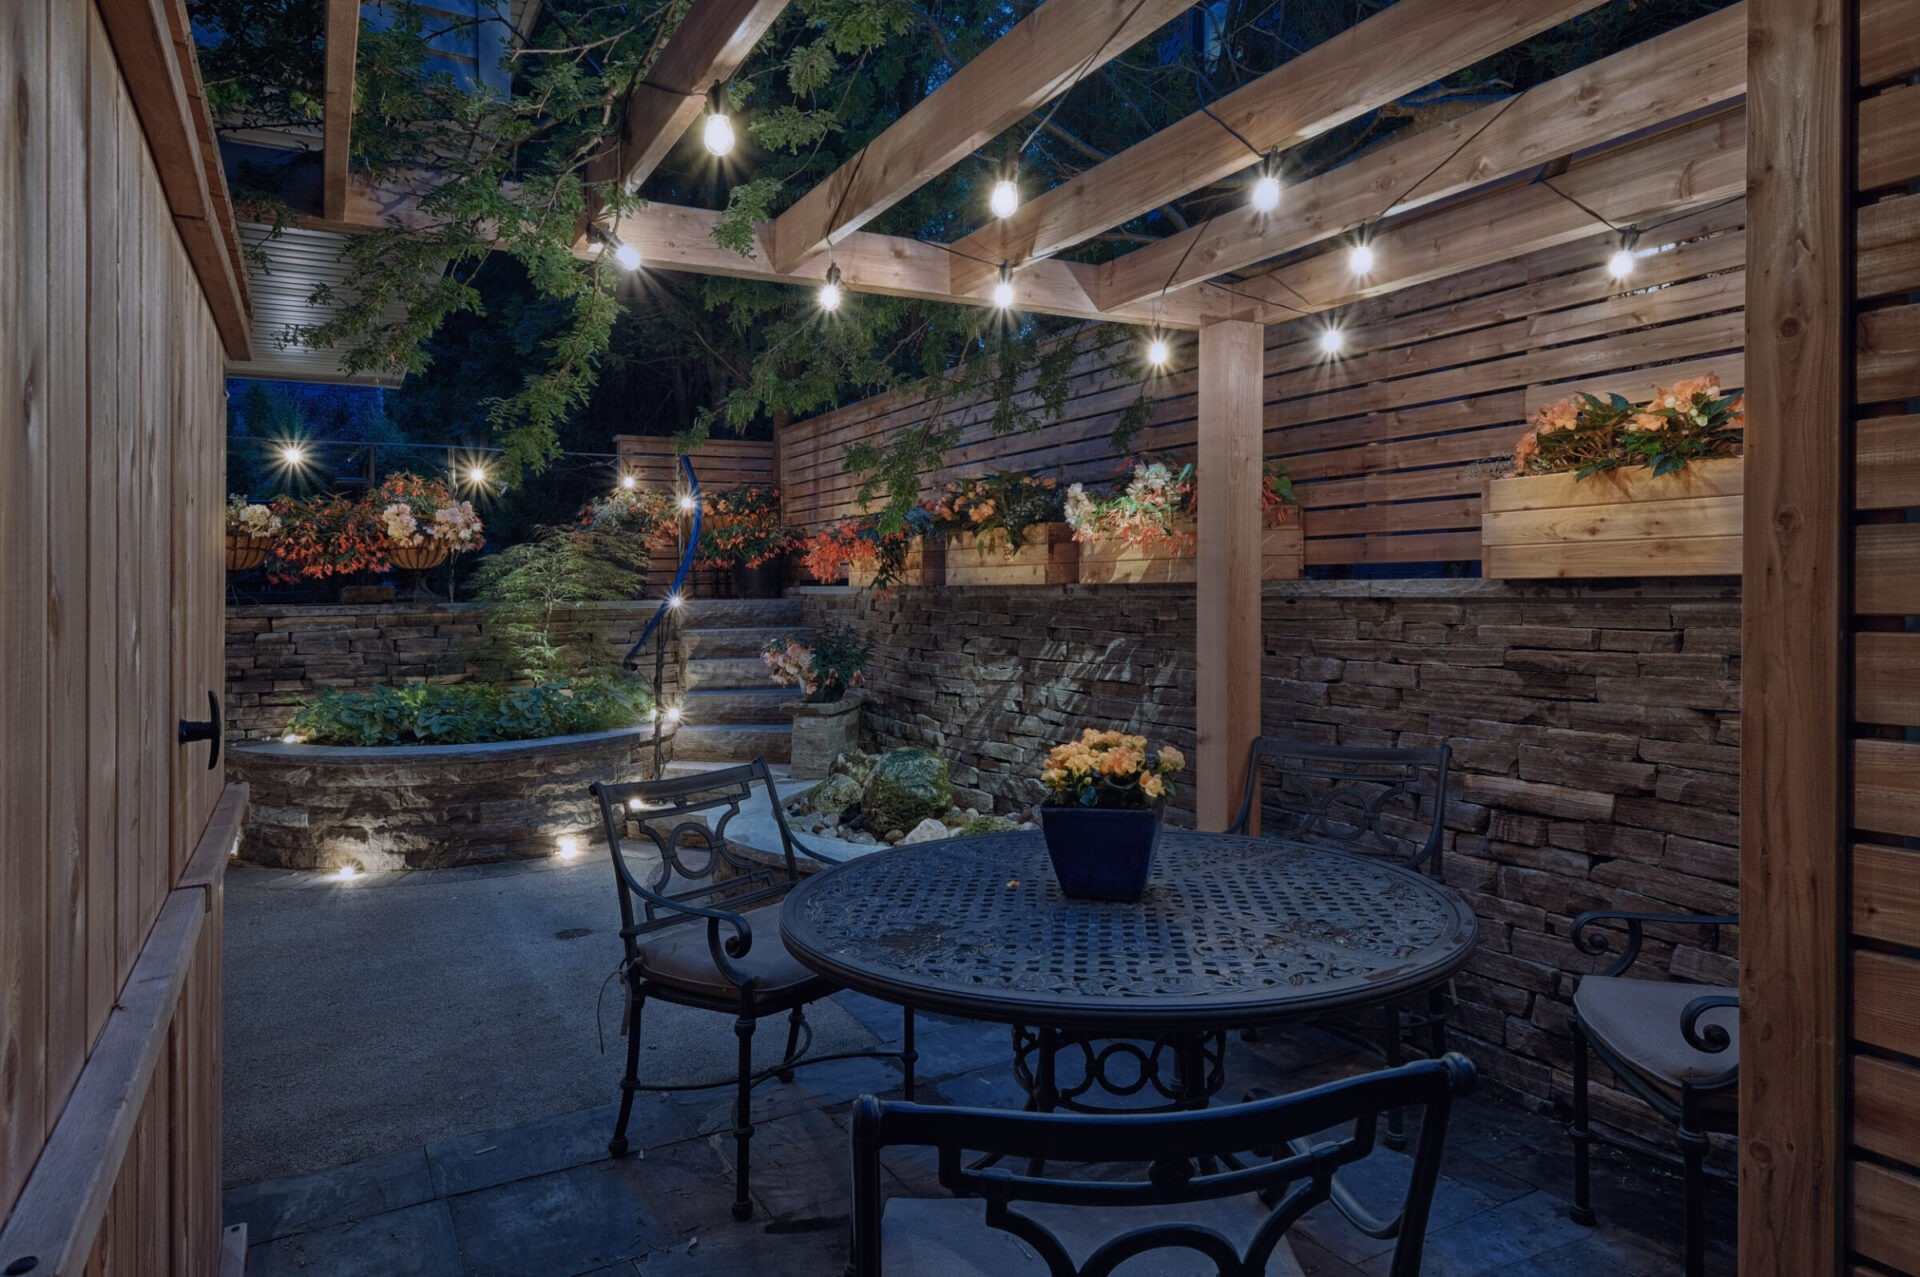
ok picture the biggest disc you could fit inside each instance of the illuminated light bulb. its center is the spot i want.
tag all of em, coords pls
(627, 255)
(635, 804)
(293, 454)
(1157, 352)
(1003, 291)
(1360, 260)
(718, 134)
(830, 291)
(688, 504)
(1005, 198)
(1620, 265)
(1333, 341)
(289, 739)
(1266, 194)
(674, 600)
(477, 475)
(628, 482)
(673, 714)
(568, 847)
(347, 873)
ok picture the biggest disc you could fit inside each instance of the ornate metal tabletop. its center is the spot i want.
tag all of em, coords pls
(1233, 931)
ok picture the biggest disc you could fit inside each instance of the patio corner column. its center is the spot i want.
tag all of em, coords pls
(1227, 628)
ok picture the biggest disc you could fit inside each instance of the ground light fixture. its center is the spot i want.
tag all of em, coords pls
(717, 135)
(1621, 264)
(1003, 290)
(1005, 198)
(1360, 259)
(1266, 188)
(566, 847)
(1333, 341)
(346, 873)
(675, 601)
(830, 294)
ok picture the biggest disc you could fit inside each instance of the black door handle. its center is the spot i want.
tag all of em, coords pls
(207, 729)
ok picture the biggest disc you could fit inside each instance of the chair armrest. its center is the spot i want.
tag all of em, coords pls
(1710, 1038)
(1597, 944)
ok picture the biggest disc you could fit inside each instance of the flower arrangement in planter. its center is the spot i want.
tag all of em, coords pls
(1006, 529)
(251, 529)
(1101, 817)
(1145, 530)
(742, 531)
(1606, 487)
(857, 551)
(826, 722)
(423, 522)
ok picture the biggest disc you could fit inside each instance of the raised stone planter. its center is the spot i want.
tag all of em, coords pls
(428, 806)
(822, 731)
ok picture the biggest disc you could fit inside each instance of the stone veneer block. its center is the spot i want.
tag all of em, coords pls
(428, 806)
(821, 733)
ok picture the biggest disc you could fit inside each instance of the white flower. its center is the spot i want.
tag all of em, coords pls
(400, 524)
(251, 519)
(1080, 508)
(456, 525)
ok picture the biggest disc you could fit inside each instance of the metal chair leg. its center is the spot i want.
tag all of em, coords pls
(796, 1025)
(742, 1116)
(908, 1055)
(630, 1084)
(1693, 1147)
(1581, 1212)
(1437, 1021)
(1396, 1137)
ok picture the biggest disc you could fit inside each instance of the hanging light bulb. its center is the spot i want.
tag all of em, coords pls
(293, 454)
(1266, 188)
(830, 291)
(1333, 341)
(628, 482)
(688, 504)
(627, 255)
(1621, 264)
(1003, 291)
(1360, 260)
(718, 133)
(1005, 198)
(1158, 353)
(477, 476)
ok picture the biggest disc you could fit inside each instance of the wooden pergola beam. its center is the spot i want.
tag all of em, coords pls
(705, 49)
(671, 237)
(1698, 66)
(1038, 59)
(1399, 49)
(1680, 168)
(342, 45)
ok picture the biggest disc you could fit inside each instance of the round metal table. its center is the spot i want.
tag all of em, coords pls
(1233, 932)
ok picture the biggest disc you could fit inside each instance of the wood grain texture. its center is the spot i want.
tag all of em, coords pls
(1886, 787)
(1886, 1094)
(1793, 759)
(1048, 555)
(342, 44)
(1888, 349)
(1886, 472)
(1886, 898)
(1885, 583)
(1889, 41)
(1889, 144)
(1886, 678)
(1886, 1203)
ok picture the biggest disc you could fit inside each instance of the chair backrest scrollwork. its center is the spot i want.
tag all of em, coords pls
(1374, 801)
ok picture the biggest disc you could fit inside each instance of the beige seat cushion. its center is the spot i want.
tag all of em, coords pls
(949, 1237)
(680, 957)
(1639, 1021)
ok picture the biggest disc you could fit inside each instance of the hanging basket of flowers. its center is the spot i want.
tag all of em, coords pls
(422, 522)
(1607, 487)
(251, 531)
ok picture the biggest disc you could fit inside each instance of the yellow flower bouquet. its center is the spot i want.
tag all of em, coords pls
(1110, 769)
(1101, 818)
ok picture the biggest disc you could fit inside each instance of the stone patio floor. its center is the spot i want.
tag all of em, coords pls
(543, 1199)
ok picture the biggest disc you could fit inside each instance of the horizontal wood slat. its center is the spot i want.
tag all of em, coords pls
(1888, 248)
(1887, 470)
(1888, 348)
(1886, 787)
(1885, 1205)
(1886, 1003)
(1886, 678)
(1886, 1095)
(1889, 41)
(1889, 143)
(1886, 895)
(1885, 583)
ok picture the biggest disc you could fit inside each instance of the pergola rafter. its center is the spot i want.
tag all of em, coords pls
(343, 43)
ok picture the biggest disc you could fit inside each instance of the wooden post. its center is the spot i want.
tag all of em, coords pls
(1227, 629)
(1793, 810)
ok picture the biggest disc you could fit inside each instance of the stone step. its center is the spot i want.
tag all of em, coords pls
(718, 673)
(703, 614)
(734, 642)
(733, 742)
(738, 705)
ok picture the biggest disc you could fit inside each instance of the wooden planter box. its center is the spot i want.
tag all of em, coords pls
(1282, 554)
(1620, 523)
(1048, 555)
(925, 564)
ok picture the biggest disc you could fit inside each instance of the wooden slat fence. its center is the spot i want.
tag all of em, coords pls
(1884, 945)
(1389, 442)
(719, 463)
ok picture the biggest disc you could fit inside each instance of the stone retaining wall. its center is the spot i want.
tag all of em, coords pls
(1595, 730)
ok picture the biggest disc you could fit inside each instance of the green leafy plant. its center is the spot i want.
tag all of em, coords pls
(835, 660)
(1586, 435)
(471, 713)
(1009, 501)
(742, 528)
(532, 587)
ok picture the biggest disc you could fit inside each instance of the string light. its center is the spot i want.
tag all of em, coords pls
(628, 482)
(718, 133)
(1003, 291)
(625, 254)
(674, 600)
(1158, 353)
(1266, 188)
(477, 476)
(1333, 341)
(688, 504)
(830, 291)
(1360, 260)
(1005, 198)
(1621, 264)
(292, 454)
(673, 713)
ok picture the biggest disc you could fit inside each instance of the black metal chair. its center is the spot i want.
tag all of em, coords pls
(1673, 1044)
(1368, 801)
(1215, 1190)
(735, 962)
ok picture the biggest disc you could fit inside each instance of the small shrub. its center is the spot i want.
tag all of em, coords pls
(471, 713)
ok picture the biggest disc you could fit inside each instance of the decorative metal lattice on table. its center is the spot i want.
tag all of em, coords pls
(1233, 932)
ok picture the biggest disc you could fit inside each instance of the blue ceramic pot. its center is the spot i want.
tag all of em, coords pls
(1101, 853)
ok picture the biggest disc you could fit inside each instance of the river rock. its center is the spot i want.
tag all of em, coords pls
(928, 830)
(907, 787)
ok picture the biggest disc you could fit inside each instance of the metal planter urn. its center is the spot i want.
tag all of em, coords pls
(822, 731)
(1101, 853)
